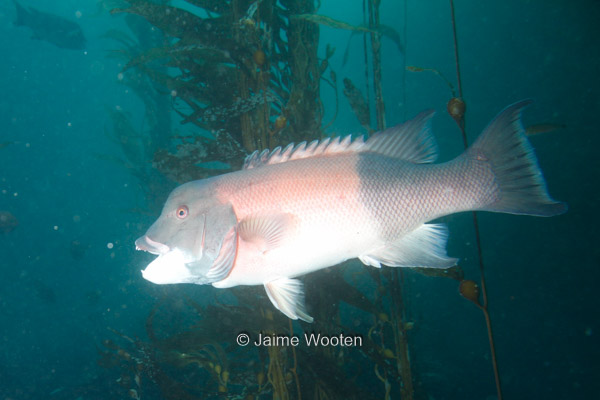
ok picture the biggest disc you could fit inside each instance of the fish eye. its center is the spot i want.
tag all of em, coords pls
(182, 212)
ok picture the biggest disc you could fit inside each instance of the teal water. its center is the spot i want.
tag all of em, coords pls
(70, 275)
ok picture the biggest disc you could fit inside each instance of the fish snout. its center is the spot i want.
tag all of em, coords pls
(146, 244)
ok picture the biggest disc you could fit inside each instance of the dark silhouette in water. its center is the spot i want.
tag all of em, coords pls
(8, 222)
(51, 28)
(78, 249)
(43, 291)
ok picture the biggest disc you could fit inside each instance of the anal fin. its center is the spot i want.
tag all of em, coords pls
(424, 247)
(287, 295)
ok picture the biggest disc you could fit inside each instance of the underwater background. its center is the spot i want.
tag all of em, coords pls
(92, 142)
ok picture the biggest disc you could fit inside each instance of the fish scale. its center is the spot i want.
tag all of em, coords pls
(402, 195)
(311, 206)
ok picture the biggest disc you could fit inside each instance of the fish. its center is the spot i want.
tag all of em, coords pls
(546, 127)
(44, 292)
(8, 222)
(51, 28)
(306, 207)
(78, 249)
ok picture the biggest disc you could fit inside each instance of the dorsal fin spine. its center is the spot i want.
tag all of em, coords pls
(411, 141)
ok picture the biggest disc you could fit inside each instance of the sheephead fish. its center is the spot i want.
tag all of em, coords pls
(51, 28)
(311, 206)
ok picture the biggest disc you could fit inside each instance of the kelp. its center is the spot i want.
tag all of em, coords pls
(176, 22)
(382, 29)
(332, 23)
(212, 6)
(412, 68)
(230, 71)
(183, 165)
(358, 104)
(121, 37)
(242, 76)
(178, 55)
(200, 359)
(127, 137)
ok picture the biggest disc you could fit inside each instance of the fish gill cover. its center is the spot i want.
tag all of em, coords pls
(215, 81)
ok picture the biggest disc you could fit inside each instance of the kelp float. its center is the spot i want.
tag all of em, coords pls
(244, 76)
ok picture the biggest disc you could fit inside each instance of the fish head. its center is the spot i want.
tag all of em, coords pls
(195, 237)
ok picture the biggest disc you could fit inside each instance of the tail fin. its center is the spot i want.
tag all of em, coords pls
(522, 189)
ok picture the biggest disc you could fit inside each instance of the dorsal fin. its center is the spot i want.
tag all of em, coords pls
(303, 150)
(411, 141)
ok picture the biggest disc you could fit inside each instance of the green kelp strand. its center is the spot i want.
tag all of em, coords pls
(332, 23)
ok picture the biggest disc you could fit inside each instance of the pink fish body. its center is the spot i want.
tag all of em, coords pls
(304, 208)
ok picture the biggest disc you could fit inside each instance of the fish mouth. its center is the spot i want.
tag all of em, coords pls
(146, 244)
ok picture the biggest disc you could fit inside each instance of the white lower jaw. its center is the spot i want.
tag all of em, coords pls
(168, 268)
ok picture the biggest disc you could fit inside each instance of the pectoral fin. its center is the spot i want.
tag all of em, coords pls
(266, 231)
(226, 258)
(287, 295)
(423, 247)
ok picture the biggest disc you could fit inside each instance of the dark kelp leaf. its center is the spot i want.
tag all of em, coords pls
(121, 37)
(179, 55)
(216, 6)
(391, 34)
(176, 22)
(358, 103)
(332, 23)
(384, 30)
